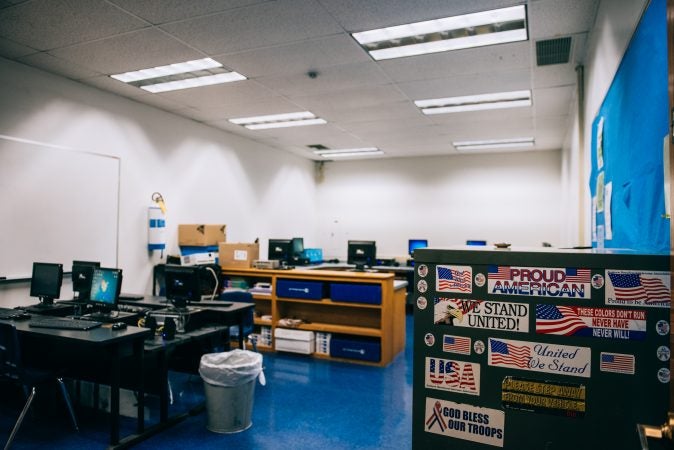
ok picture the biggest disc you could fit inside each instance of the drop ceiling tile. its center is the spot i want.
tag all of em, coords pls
(162, 11)
(555, 101)
(245, 108)
(266, 24)
(552, 18)
(331, 79)
(219, 94)
(297, 58)
(359, 15)
(479, 83)
(132, 51)
(554, 75)
(52, 64)
(10, 49)
(494, 58)
(351, 99)
(49, 24)
(388, 111)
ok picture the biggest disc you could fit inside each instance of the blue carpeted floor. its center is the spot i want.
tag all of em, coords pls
(307, 404)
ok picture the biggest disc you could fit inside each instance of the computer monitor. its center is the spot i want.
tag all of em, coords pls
(45, 283)
(82, 273)
(362, 254)
(414, 244)
(183, 285)
(280, 249)
(106, 284)
(297, 251)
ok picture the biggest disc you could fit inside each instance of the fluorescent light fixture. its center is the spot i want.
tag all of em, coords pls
(493, 144)
(189, 74)
(449, 33)
(348, 152)
(498, 100)
(295, 119)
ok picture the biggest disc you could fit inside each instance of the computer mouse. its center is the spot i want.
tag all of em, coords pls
(118, 326)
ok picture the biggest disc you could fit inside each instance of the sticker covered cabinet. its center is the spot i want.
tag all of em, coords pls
(539, 349)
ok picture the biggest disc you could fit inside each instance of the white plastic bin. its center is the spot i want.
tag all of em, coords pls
(229, 387)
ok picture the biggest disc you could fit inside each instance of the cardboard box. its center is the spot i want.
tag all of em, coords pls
(295, 341)
(201, 234)
(238, 255)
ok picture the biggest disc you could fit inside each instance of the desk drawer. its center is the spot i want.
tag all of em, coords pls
(308, 290)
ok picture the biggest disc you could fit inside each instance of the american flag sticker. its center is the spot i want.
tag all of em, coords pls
(457, 279)
(453, 376)
(607, 323)
(638, 288)
(540, 357)
(616, 363)
(456, 344)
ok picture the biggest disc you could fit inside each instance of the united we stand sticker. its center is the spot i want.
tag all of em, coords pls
(540, 357)
(483, 314)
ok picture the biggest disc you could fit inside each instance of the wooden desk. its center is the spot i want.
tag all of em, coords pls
(54, 346)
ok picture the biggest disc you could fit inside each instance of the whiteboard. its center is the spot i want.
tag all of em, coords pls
(56, 205)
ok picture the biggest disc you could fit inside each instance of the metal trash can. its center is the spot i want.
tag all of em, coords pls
(229, 387)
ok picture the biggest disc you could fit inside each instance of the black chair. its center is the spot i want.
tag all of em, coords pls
(12, 368)
(242, 297)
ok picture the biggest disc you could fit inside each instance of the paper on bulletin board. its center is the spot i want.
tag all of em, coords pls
(593, 215)
(600, 144)
(665, 165)
(608, 228)
(600, 192)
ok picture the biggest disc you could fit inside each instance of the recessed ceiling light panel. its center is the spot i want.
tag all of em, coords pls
(294, 119)
(498, 100)
(450, 33)
(189, 74)
(494, 144)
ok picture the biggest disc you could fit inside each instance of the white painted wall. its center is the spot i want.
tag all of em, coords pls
(205, 175)
(505, 197)
(614, 26)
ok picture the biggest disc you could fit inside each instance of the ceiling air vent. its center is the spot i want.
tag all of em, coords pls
(553, 51)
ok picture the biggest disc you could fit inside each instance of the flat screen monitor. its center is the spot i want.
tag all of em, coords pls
(106, 285)
(476, 242)
(280, 249)
(297, 250)
(82, 273)
(362, 254)
(414, 244)
(45, 283)
(183, 285)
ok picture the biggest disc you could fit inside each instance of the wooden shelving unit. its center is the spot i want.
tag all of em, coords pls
(384, 322)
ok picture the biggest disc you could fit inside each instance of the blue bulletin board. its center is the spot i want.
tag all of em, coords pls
(627, 178)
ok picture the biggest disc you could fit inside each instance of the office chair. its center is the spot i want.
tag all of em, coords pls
(12, 368)
(243, 297)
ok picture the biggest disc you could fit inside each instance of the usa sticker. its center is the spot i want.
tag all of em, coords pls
(462, 421)
(457, 279)
(456, 344)
(483, 314)
(453, 376)
(638, 288)
(616, 363)
(540, 357)
(539, 282)
(422, 303)
(423, 270)
(608, 323)
(422, 286)
(663, 353)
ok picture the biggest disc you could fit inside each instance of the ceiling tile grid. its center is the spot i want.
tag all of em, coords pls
(298, 55)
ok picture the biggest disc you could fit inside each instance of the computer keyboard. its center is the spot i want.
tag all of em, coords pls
(62, 323)
(9, 314)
